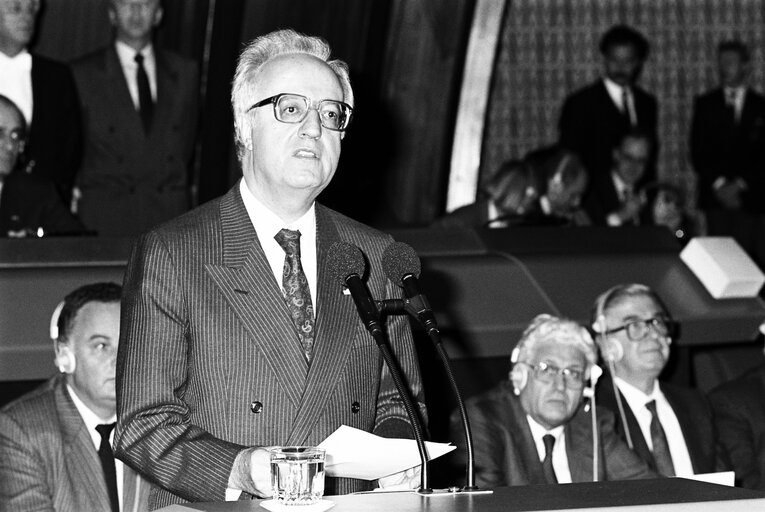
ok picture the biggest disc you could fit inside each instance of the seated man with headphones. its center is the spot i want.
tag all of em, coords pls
(670, 427)
(55, 442)
(537, 428)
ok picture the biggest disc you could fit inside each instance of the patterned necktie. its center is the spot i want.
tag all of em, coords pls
(661, 454)
(146, 104)
(547, 465)
(297, 295)
(107, 464)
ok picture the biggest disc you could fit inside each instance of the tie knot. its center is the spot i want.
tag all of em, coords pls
(289, 241)
(651, 406)
(105, 429)
(549, 441)
(138, 58)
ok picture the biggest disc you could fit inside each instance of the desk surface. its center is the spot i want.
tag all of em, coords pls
(665, 494)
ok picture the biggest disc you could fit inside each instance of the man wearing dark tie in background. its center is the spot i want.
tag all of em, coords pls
(45, 92)
(727, 149)
(139, 109)
(595, 118)
(616, 198)
(55, 442)
(236, 336)
(535, 429)
(669, 426)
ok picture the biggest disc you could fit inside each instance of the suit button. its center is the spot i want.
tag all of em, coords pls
(256, 407)
(355, 407)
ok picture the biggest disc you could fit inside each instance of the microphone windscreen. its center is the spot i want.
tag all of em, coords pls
(399, 260)
(344, 260)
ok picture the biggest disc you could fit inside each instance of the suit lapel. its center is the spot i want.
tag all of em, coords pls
(167, 79)
(81, 458)
(336, 322)
(524, 442)
(686, 420)
(121, 100)
(248, 286)
(578, 434)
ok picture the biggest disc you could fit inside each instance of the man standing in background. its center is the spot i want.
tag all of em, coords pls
(139, 108)
(727, 148)
(595, 118)
(45, 92)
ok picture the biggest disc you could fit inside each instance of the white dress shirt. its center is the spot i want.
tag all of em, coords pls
(16, 81)
(267, 224)
(617, 94)
(621, 188)
(559, 456)
(636, 399)
(92, 420)
(126, 55)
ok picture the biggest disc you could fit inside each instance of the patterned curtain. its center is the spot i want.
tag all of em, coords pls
(549, 48)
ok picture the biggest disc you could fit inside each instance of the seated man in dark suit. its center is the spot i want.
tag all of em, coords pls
(595, 118)
(616, 199)
(535, 428)
(504, 200)
(739, 413)
(29, 204)
(55, 442)
(669, 426)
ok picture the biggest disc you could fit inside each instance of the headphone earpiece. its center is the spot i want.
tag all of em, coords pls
(65, 360)
(519, 376)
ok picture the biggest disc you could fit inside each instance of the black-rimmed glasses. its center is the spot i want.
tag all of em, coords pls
(547, 372)
(293, 108)
(638, 330)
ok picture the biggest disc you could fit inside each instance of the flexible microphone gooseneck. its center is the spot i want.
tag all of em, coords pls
(402, 266)
(347, 265)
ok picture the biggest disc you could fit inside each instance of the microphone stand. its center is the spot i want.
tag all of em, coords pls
(415, 306)
(375, 330)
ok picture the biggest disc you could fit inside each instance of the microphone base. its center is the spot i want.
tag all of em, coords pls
(452, 491)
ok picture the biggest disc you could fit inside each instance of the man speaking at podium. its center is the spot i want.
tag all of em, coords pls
(535, 428)
(236, 336)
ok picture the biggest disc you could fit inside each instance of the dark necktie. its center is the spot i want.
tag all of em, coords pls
(547, 465)
(626, 107)
(107, 464)
(297, 295)
(146, 104)
(661, 454)
(730, 104)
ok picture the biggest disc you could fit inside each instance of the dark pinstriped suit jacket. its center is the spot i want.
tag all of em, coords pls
(48, 461)
(206, 333)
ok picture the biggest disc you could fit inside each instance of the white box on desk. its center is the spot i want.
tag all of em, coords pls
(722, 266)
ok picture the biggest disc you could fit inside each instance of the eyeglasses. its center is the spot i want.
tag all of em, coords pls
(638, 330)
(11, 140)
(293, 108)
(547, 372)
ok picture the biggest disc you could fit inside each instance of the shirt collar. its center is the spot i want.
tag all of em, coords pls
(635, 397)
(127, 53)
(21, 61)
(91, 419)
(615, 90)
(267, 223)
(538, 431)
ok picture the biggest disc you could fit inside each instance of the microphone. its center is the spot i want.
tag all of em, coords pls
(347, 265)
(402, 266)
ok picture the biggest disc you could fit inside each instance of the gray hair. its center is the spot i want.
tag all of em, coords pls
(560, 330)
(619, 293)
(261, 50)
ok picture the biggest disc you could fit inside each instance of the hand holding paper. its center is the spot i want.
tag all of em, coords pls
(353, 453)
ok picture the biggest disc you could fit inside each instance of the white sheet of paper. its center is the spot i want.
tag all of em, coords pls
(354, 453)
(720, 477)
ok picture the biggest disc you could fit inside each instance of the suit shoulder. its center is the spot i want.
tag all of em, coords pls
(197, 222)
(353, 229)
(742, 389)
(30, 407)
